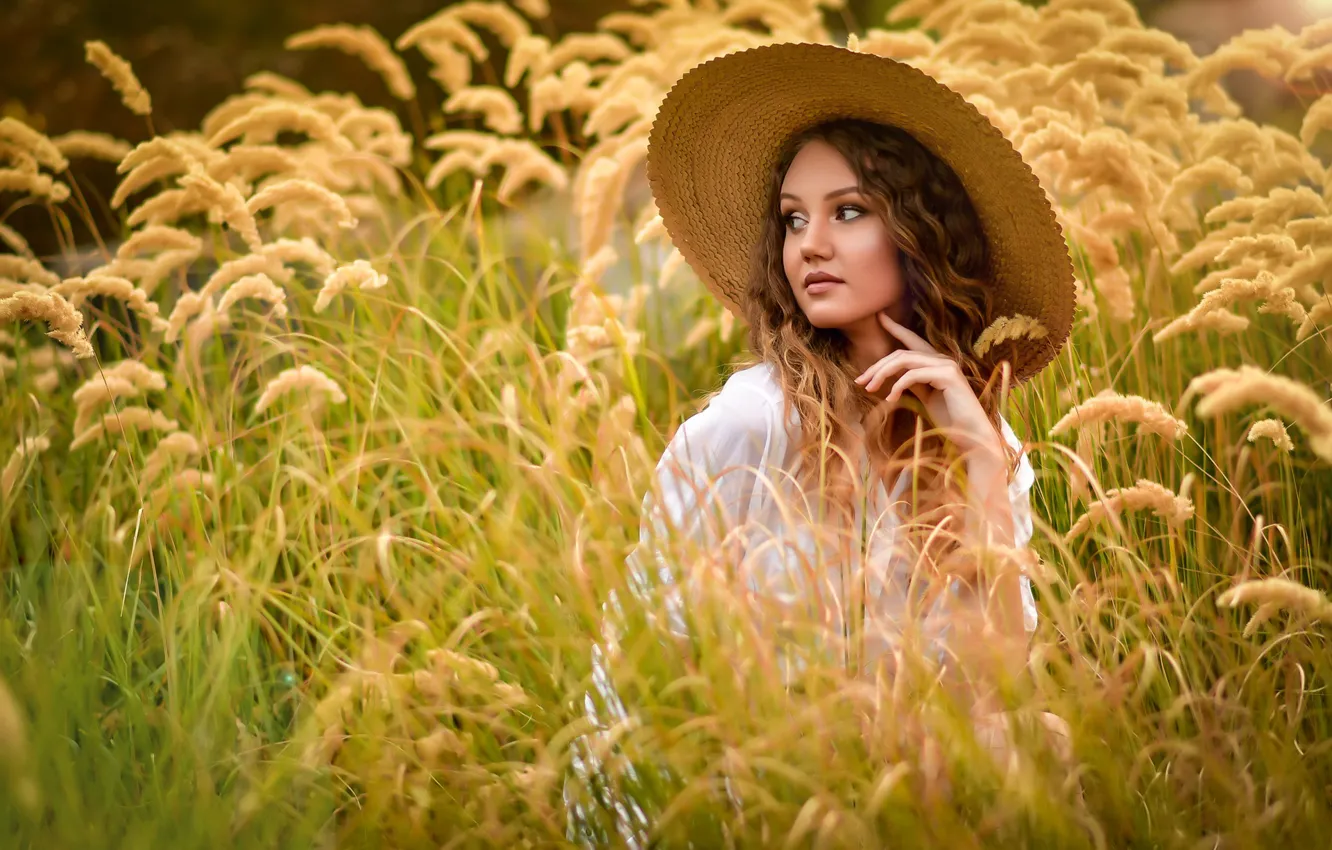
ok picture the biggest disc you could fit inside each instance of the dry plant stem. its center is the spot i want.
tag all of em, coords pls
(989, 643)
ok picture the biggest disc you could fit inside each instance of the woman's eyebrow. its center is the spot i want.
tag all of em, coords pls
(834, 193)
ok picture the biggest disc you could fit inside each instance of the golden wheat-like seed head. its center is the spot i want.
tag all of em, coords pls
(365, 43)
(64, 322)
(360, 274)
(299, 378)
(121, 76)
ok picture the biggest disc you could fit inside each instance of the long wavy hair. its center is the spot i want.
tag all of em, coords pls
(945, 265)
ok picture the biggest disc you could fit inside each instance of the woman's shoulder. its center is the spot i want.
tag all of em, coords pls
(745, 412)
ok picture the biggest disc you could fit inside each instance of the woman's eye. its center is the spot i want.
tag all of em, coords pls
(791, 218)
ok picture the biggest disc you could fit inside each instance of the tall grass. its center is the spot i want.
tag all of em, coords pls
(363, 613)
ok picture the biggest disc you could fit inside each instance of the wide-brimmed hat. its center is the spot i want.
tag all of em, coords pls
(720, 129)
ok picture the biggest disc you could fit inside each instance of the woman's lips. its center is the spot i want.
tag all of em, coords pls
(821, 286)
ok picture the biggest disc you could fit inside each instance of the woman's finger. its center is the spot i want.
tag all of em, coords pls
(909, 338)
(933, 375)
(898, 360)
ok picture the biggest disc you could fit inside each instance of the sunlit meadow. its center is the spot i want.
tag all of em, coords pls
(318, 469)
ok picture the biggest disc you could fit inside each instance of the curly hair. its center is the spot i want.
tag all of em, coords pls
(946, 268)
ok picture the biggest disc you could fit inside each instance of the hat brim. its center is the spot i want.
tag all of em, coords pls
(719, 131)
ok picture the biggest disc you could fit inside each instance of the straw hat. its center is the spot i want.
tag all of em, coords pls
(718, 133)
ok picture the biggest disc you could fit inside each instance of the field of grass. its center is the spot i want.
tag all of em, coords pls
(310, 507)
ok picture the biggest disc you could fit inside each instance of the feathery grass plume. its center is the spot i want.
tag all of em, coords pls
(1178, 201)
(583, 47)
(498, 18)
(88, 145)
(187, 307)
(11, 237)
(232, 270)
(276, 84)
(300, 190)
(159, 237)
(262, 123)
(259, 286)
(1109, 406)
(360, 274)
(64, 322)
(498, 108)
(145, 174)
(299, 378)
(1274, 430)
(365, 43)
(25, 268)
(9, 286)
(79, 289)
(1316, 119)
(304, 250)
(1320, 316)
(177, 444)
(37, 144)
(450, 67)
(655, 228)
(1273, 247)
(527, 54)
(225, 204)
(445, 28)
(569, 90)
(37, 185)
(118, 421)
(631, 102)
(1226, 390)
(1276, 299)
(1006, 328)
(1281, 592)
(1310, 231)
(892, 44)
(1174, 509)
(27, 447)
(249, 162)
(121, 76)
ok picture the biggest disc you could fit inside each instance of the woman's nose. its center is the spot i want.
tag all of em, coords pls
(815, 242)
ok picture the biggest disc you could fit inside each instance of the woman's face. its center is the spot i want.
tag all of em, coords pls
(830, 229)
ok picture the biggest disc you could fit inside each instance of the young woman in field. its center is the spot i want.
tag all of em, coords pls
(877, 234)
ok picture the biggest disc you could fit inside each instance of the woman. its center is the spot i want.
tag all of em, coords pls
(870, 226)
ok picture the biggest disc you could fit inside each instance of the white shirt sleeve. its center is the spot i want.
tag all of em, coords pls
(704, 487)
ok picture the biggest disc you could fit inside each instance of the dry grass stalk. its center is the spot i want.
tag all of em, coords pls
(1320, 316)
(365, 43)
(298, 190)
(299, 378)
(64, 322)
(89, 145)
(159, 237)
(27, 447)
(259, 286)
(27, 269)
(224, 203)
(498, 108)
(1109, 406)
(1007, 328)
(79, 289)
(15, 241)
(304, 250)
(119, 421)
(37, 144)
(1265, 285)
(359, 274)
(1226, 390)
(37, 185)
(1274, 430)
(177, 444)
(1174, 509)
(1281, 593)
(121, 76)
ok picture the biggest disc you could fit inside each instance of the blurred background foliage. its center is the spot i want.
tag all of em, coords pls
(192, 55)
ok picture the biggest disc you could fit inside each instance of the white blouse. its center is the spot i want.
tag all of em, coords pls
(726, 475)
(728, 470)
